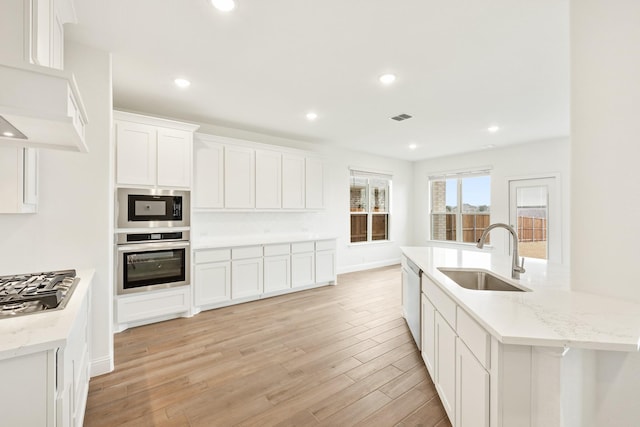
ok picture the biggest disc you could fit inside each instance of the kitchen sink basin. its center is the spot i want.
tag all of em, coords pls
(478, 280)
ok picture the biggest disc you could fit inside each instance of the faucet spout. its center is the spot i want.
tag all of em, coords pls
(516, 267)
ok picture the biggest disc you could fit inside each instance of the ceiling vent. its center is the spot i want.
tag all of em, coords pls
(401, 117)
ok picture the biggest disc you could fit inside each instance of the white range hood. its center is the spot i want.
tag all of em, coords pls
(45, 105)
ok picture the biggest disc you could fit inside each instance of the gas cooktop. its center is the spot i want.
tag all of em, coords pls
(34, 292)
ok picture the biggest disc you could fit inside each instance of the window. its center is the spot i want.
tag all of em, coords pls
(369, 206)
(460, 206)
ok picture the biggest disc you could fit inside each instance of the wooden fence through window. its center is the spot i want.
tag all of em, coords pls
(530, 229)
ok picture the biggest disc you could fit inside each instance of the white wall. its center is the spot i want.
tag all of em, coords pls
(517, 161)
(72, 228)
(334, 219)
(605, 76)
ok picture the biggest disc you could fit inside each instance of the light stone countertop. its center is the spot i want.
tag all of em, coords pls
(550, 315)
(45, 330)
(211, 242)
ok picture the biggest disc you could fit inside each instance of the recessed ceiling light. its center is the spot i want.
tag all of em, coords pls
(387, 79)
(311, 116)
(413, 146)
(8, 134)
(182, 83)
(224, 5)
(493, 129)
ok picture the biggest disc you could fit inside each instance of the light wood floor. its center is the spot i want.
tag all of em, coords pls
(333, 356)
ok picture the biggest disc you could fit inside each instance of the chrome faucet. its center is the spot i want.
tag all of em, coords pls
(515, 268)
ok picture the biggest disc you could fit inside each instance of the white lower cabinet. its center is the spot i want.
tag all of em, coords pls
(212, 283)
(325, 261)
(277, 273)
(472, 389)
(445, 381)
(302, 269)
(246, 272)
(428, 313)
(142, 308)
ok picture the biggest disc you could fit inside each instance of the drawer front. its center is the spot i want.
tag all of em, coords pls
(247, 252)
(272, 250)
(300, 247)
(475, 337)
(441, 301)
(325, 245)
(212, 255)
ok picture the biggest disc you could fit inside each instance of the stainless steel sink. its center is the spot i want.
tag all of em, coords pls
(478, 280)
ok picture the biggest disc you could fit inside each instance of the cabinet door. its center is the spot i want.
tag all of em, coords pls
(325, 266)
(302, 269)
(246, 278)
(268, 180)
(174, 158)
(208, 185)
(30, 175)
(314, 183)
(135, 154)
(212, 283)
(293, 186)
(277, 273)
(472, 389)
(239, 177)
(445, 381)
(41, 32)
(428, 335)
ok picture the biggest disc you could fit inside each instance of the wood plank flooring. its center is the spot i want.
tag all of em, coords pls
(333, 356)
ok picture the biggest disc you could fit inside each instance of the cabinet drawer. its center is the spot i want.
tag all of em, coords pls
(325, 245)
(300, 247)
(445, 305)
(248, 252)
(213, 255)
(475, 337)
(272, 250)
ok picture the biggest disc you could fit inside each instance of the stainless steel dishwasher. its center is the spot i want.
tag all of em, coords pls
(411, 290)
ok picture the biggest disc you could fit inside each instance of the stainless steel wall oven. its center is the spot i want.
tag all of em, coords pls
(151, 261)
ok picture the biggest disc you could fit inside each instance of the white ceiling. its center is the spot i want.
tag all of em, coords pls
(462, 65)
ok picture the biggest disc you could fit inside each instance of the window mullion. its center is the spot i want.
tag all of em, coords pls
(459, 215)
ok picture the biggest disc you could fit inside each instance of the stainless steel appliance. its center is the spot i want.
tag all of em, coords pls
(152, 208)
(22, 294)
(150, 261)
(411, 294)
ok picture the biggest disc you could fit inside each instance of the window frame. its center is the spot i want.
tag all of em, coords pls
(459, 213)
(369, 210)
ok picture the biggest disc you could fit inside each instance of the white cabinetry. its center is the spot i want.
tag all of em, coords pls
(325, 261)
(445, 381)
(239, 177)
(428, 315)
(293, 182)
(268, 179)
(18, 180)
(277, 267)
(212, 284)
(302, 264)
(314, 183)
(472, 389)
(246, 272)
(208, 182)
(133, 310)
(152, 152)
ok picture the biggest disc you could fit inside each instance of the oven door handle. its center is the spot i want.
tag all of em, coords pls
(139, 247)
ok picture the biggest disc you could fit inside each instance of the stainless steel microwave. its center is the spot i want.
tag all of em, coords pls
(152, 208)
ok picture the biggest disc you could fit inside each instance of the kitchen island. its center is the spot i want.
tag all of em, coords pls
(526, 358)
(44, 362)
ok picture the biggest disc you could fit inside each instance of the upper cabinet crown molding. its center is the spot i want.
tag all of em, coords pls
(151, 151)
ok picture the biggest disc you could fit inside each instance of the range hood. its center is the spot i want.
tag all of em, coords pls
(44, 105)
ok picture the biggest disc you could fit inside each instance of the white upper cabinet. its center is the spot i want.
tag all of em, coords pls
(153, 152)
(135, 153)
(208, 175)
(239, 177)
(174, 158)
(293, 181)
(268, 179)
(18, 180)
(314, 183)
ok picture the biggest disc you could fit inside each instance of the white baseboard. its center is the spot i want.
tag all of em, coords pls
(368, 266)
(102, 365)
